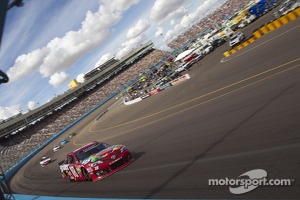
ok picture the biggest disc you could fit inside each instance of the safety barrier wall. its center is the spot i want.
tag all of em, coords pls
(15, 168)
(176, 81)
(258, 33)
(293, 15)
(8, 174)
(133, 101)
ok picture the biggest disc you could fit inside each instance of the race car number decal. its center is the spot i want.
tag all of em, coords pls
(74, 172)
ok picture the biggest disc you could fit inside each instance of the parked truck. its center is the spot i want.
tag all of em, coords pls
(262, 7)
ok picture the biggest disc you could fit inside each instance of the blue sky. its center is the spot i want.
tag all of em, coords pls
(48, 43)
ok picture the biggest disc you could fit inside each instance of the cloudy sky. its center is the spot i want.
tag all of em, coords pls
(48, 43)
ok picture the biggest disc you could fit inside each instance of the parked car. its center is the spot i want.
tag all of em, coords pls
(218, 42)
(286, 7)
(242, 24)
(207, 49)
(236, 39)
(182, 67)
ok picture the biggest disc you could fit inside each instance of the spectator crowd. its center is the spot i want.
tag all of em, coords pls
(16, 147)
(211, 21)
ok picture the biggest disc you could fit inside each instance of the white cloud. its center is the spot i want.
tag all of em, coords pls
(140, 27)
(130, 45)
(136, 35)
(51, 57)
(61, 53)
(32, 105)
(80, 78)
(103, 59)
(121, 5)
(26, 64)
(6, 112)
(164, 13)
(189, 19)
(164, 8)
(177, 15)
(159, 32)
(173, 33)
(58, 79)
(162, 46)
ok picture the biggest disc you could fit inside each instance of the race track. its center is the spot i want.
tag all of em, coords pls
(234, 115)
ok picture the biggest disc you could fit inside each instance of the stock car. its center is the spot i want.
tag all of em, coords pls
(64, 141)
(94, 161)
(57, 147)
(72, 135)
(45, 161)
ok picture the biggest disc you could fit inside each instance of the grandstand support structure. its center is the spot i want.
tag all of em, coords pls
(5, 191)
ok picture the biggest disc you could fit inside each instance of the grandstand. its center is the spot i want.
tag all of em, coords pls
(24, 133)
(111, 68)
(99, 68)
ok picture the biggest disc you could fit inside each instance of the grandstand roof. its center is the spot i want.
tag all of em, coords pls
(99, 68)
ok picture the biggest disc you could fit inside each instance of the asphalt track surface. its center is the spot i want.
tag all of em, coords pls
(234, 115)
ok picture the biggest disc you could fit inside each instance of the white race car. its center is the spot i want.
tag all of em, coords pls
(44, 161)
(57, 147)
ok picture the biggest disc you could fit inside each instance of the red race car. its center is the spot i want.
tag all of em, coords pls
(94, 161)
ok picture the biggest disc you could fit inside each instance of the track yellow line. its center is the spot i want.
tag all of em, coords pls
(194, 99)
(196, 105)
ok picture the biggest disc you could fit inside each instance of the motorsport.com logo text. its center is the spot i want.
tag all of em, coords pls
(257, 177)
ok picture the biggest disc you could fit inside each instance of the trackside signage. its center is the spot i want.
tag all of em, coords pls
(249, 181)
(180, 79)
